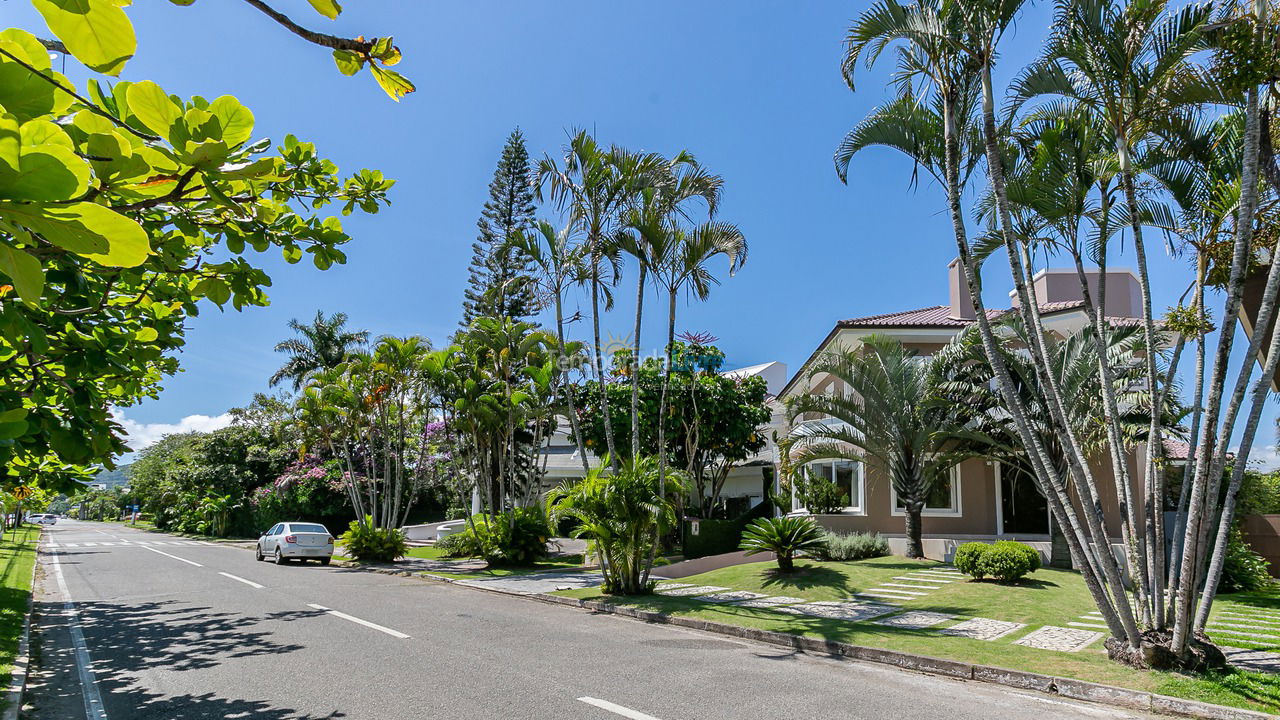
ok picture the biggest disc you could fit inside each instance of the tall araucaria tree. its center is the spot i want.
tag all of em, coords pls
(500, 281)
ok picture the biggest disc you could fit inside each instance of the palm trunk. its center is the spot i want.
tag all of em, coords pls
(662, 403)
(915, 545)
(1197, 406)
(1115, 607)
(1203, 478)
(597, 356)
(635, 366)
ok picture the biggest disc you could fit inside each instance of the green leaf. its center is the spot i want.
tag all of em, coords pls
(97, 32)
(327, 8)
(22, 92)
(24, 270)
(147, 334)
(153, 108)
(236, 119)
(292, 253)
(348, 62)
(395, 84)
(84, 228)
(45, 172)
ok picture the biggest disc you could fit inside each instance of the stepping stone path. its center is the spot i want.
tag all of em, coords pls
(1059, 638)
(731, 596)
(770, 602)
(982, 629)
(1256, 660)
(691, 590)
(850, 611)
(915, 584)
(1092, 620)
(915, 619)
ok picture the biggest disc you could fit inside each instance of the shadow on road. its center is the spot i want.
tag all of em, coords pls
(126, 640)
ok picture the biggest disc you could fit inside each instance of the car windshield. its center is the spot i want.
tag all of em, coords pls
(307, 528)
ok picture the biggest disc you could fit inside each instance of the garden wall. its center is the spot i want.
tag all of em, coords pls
(1262, 532)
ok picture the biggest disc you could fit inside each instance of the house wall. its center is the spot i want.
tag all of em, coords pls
(977, 506)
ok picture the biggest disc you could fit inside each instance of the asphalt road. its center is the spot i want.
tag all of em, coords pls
(178, 630)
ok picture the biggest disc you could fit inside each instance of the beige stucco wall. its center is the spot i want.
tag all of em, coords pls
(977, 506)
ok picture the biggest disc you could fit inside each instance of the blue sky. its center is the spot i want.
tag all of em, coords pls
(752, 88)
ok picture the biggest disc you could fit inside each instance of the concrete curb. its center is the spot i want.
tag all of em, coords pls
(22, 660)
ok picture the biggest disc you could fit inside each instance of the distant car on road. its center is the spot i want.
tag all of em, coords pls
(43, 519)
(296, 541)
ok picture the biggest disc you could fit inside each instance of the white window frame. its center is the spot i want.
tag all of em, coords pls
(859, 481)
(956, 509)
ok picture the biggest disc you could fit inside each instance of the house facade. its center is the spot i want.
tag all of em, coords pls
(982, 499)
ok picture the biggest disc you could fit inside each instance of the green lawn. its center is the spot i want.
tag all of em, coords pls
(17, 555)
(1267, 600)
(1048, 597)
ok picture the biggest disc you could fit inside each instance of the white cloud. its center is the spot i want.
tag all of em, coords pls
(1262, 457)
(144, 435)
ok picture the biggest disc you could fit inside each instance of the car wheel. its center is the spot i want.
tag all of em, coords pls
(279, 557)
(325, 561)
(257, 553)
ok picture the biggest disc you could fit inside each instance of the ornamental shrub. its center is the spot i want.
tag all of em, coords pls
(853, 546)
(514, 537)
(365, 542)
(968, 559)
(784, 537)
(1008, 561)
(1005, 560)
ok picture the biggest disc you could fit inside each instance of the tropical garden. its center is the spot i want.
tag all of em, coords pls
(125, 210)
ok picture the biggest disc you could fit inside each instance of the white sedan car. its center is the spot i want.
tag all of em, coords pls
(43, 519)
(296, 540)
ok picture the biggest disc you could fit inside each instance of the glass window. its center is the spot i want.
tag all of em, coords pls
(307, 528)
(943, 499)
(846, 475)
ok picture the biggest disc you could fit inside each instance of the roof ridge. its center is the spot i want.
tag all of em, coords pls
(891, 314)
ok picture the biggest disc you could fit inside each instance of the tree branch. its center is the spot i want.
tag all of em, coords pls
(84, 101)
(321, 39)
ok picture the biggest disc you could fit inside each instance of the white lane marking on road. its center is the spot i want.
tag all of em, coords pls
(240, 579)
(91, 544)
(93, 708)
(616, 709)
(358, 621)
(175, 557)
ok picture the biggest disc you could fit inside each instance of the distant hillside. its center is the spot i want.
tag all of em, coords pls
(114, 478)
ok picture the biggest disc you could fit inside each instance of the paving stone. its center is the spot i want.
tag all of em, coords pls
(1089, 625)
(1061, 639)
(982, 629)
(1241, 633)
(731, 596)
(925, 588)
(886, 588)
(1257, 660)
(1242, 625)
(851, 611)
(770, 602)
(915, 619)
(878, 595)
(671, 586)
(692, 590)
(925, 579)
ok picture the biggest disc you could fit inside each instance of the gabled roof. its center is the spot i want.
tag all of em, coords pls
(937, 316)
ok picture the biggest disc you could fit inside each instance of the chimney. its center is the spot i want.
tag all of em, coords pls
(961, 304)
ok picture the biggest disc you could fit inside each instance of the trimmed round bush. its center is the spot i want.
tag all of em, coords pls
(1005, 560)
(968, 559)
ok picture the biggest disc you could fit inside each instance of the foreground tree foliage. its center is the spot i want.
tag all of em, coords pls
(1098, 134)
(123, 211)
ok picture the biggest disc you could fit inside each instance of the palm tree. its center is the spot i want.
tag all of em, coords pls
(323, 344)
(597, 184)
(559, 261)
(685, 261)
(646, 232)
(622, 513)
(886, 415)
(931, 37)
